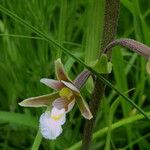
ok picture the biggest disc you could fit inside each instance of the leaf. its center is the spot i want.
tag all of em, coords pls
(20, 119)
(39, 101)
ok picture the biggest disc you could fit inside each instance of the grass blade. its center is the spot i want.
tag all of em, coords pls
(20, 119)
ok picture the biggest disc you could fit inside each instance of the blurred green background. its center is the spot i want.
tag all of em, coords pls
(25, 58)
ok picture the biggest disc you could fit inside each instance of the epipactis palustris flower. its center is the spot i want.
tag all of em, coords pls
(61, 101)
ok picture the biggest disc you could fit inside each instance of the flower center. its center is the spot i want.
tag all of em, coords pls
(66, 92)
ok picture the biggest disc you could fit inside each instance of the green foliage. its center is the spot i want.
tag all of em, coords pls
(102, 65)
(25, 58)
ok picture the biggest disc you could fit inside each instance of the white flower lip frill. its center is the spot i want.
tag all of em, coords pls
(51, 123)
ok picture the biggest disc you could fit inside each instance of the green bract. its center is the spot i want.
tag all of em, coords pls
(102, 65)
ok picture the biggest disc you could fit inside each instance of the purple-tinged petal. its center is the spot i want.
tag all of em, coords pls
(62, 102)
(84, 108)
(70, 106)
(54, 84)
(39, 101)
(81, 79)
(60, 71)
(70, 86)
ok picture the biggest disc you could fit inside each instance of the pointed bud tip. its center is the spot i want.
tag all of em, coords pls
(88, 116)
(21, 104)
(42, 80)
(45, 81)
(58, 60)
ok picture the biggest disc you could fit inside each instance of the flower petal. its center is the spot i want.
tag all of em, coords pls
(49, 128)
(84, 108)
(81, 79)
(62, 102)
(70, 106)
(39, 101)
(54, 84)
(60, 71)
(71, 86)
(59, 113)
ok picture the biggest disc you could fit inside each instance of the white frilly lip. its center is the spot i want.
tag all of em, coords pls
(49, 127)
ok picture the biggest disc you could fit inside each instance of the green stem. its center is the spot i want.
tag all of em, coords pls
(97, 95)
(110, 21)
(37, 141)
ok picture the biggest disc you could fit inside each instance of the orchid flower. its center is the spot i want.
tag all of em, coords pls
(61, 101)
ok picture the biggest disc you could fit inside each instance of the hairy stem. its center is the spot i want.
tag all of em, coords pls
(110, 21)
(94, 105)
(131, 44)
(109, 30)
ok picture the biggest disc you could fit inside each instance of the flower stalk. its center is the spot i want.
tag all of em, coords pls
(131, 44)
